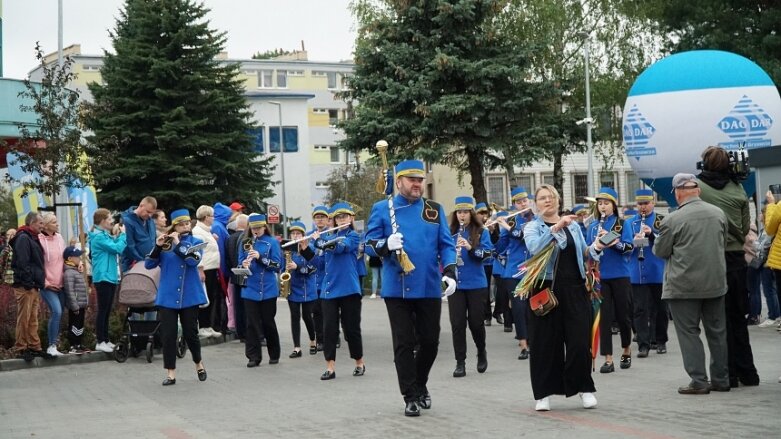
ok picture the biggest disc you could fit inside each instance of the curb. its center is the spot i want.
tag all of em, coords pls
(91, 357)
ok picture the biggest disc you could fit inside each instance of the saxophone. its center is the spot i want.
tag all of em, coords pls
(284, 278)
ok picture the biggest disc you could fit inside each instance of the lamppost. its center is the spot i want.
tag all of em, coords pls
(281, 165)
(588, 120)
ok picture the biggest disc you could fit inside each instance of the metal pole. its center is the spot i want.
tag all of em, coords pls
(59, 33)
(282, 168)
(589, 143)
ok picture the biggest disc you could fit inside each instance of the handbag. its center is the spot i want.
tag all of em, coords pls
(545, 301)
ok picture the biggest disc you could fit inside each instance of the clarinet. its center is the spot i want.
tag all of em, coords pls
(459, 259)
(641, 252)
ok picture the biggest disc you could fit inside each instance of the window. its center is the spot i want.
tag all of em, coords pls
(322, 147)
(257, 136)
(496, 190)
(87, 68)
(547, 178)
(265, 78)
(331, 79)
(633, 183)
(289, 136)
(351, 157)
(282, 78)
(607, 179)
(320, 110)
(321, 185)
(334, 154)
(333, 117)
(525, 180)
(295, 73)
(579, 187)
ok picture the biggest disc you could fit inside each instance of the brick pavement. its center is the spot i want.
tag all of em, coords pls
(99, 399)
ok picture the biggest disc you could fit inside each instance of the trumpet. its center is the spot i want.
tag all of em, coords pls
(284, 278)
(459, 259)
(296, 241)
(495, 221)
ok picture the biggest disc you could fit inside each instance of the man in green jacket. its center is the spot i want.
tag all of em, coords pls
(721, 188)
(692, 240)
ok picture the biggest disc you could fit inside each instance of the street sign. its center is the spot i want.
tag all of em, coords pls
(273, 214)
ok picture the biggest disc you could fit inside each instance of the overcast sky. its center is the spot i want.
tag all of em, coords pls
(325, 26)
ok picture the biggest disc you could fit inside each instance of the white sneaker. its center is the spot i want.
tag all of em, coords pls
(373, 296)
(768, 323)
(215, 334)
(589, 400)
(54, 352)
(543, 405)
(110, 345)
(103, 347)
(203, 333)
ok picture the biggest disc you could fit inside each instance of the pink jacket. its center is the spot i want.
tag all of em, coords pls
(53, 247)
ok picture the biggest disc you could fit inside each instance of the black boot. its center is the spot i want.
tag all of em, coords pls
(482, 361)
(460, 370)
(411, 409)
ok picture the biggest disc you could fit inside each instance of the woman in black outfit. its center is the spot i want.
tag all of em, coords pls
(561, 364)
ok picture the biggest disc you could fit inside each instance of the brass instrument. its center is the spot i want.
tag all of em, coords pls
(168, 243)
(641, 252)
(459, 259)
(248, 243)
(284, 278)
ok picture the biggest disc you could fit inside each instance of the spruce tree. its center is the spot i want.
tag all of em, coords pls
(180, 116)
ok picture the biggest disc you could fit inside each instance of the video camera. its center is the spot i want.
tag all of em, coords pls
(738, 167)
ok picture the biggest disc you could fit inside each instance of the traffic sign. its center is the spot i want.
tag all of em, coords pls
(273, 214)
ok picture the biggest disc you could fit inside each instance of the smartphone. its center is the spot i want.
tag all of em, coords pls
(609, 237)
(775, 189)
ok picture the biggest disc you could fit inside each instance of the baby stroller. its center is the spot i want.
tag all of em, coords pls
(138, 290)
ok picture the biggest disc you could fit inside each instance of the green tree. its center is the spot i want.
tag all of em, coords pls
(355, 186)
(271, 54)
(53, 147)
(7, 210)
(439, 82)
(185, 126)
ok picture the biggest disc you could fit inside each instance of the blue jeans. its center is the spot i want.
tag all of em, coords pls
(375, 278)
(53, 300)
(762, 277)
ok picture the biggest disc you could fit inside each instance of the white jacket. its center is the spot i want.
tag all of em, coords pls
(211, 253)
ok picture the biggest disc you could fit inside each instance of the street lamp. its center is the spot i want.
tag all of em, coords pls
(281, 166)
(588, 120)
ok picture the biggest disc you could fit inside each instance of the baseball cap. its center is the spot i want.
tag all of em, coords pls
(71, 251)
(236, 206)
(686, 181)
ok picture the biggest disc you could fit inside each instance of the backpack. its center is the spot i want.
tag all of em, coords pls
(6, 270)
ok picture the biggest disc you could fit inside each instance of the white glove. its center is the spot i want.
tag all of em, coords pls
(395, 241)
(451, 285)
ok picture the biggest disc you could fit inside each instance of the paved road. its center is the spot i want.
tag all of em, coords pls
(107, 399)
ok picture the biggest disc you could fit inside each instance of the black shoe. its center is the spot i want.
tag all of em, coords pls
(328, 375)
(499, 319)
(733, 382)
(482, 362)
(716, 388)
(312, 350)
(626, 361)
(460, 370)
(169, 381)
(614, 330)
(643, 353)
(201, 374)
(487, 322)
(691, 390)
(753, 381)
(27, 355)
(607, 368)
(661, 348)
(508, 329)
(319, 347)
(253, 363)
(273, 361)
(524, 354)
(411, 409)
(359, 371)
(424, 401)
(296, 354)
(654, 345)
(338, 342)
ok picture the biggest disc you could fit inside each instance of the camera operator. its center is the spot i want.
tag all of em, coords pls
(719, 181)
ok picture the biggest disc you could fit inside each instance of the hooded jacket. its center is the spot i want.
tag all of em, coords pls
(104, 250)
(28, 260)
(222, 215)
(53, 247)
(772, 223)
(140, 236)
(731, 198)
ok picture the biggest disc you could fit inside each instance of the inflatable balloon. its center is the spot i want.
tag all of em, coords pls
(688, 101)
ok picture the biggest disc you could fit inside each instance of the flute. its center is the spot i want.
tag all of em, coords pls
(296, 241)
(491, 223)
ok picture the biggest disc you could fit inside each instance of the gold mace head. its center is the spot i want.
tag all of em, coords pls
(382, 146)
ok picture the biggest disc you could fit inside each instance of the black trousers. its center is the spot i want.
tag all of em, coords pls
(169, 328)
(615, 307)
(517, 310)
(489, 270)
(650, 314)
(409, 317)
(238, 312)
(297, 311)
(350, 309)
(105, 292)
(317, 318)
(467, 306)
(741, 357)
(260, 316)
(212, 315)
(76, 327)
(502, 303)
(561, 361)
